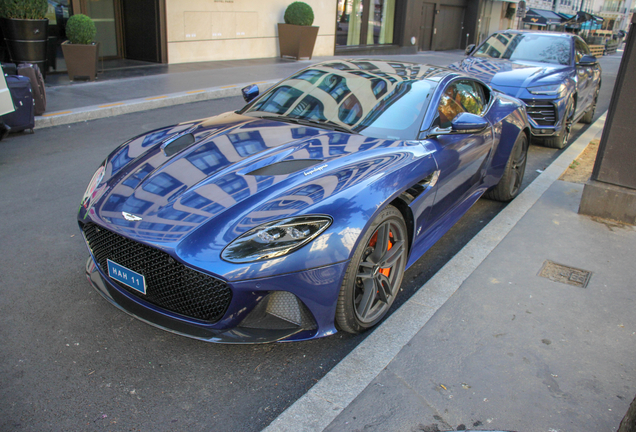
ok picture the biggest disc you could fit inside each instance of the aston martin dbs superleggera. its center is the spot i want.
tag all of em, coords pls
(297, 215)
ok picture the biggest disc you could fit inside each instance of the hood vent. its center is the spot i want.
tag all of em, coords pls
(175, 146)
(285, 167)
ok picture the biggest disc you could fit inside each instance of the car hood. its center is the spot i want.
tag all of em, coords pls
(167, 189)
(507, 73)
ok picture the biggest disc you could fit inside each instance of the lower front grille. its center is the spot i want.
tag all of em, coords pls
(544, 114)
(169, 284)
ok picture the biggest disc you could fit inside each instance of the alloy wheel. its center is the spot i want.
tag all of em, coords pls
(518, 168)
(379, 272)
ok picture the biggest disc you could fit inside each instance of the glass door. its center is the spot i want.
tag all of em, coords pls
(103, 13)
(364, 22)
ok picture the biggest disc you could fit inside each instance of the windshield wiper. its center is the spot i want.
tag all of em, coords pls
(325, 124)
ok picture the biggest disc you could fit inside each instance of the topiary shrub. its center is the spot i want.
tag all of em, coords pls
(511, 11)
(80, 29)
(299, 13)
(23, 9)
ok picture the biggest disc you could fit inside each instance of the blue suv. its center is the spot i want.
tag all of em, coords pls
(553, 73)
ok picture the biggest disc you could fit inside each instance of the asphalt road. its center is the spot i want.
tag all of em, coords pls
(69, 361)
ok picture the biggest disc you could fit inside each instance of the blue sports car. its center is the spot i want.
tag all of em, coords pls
(297, 215)
(553, 73)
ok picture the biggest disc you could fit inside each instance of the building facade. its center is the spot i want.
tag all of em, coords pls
(183, 31)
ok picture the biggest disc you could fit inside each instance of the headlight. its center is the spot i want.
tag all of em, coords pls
(97, 178)
(275, 239)
(552, 89)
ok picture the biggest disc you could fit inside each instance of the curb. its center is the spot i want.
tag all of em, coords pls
(143, 104)
(317, 408)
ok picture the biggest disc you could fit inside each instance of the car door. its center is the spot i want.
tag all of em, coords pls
(585, 85)
(461, 157)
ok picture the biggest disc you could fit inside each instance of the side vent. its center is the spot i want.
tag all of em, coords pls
(416, 190)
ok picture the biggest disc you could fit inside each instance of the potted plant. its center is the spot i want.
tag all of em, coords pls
(297, 37)
(80, 50)
(25, 30)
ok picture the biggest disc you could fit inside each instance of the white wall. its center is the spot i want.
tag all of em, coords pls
(206, 30)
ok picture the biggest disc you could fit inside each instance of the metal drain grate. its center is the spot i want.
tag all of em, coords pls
(564, 274)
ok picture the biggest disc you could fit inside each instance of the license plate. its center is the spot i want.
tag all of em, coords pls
(126, 276)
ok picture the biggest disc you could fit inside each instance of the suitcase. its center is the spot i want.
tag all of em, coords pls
(9, 69)
(32, 71)
(24, 115)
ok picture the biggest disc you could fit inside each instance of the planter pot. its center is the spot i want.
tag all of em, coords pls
(296, 41)
(26, 40)
(81, 60)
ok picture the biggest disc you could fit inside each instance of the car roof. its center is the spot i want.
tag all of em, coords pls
(543, 32)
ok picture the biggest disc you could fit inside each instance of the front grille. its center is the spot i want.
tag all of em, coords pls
(544, 114)
(169, 284)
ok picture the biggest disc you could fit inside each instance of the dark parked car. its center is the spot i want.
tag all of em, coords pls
(298, 214)
(553, 73)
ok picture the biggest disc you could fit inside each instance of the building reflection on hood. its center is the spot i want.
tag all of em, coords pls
(176, 194)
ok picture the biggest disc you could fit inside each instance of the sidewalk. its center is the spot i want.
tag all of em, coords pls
(489, 344)
(177, 84)
(515, 351)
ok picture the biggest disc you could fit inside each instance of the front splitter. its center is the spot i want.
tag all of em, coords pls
(177, 326)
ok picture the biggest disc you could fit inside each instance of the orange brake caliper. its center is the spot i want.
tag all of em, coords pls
(387, 271)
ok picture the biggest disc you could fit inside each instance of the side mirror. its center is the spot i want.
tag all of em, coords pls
(250, 92)
(468, 123)
(588, 60)
(469, 49)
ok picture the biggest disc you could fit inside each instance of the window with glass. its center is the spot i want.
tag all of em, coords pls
(528, 47)
(336, 86)
(279, 101)
(367, 103)
(459, 97)
(365, 22)
(580, 49)
(309, 108)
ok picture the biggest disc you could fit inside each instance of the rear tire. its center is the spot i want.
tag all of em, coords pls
(589, 115)
(374, 275)
(510, 184)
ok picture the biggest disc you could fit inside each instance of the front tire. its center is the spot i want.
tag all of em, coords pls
(373, 278)
(561, 140)
(510, 184)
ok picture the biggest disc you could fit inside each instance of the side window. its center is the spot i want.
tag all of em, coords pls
(580, 49)
(448, 108)
(459, 97)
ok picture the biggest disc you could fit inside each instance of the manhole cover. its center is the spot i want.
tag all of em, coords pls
(564, 274)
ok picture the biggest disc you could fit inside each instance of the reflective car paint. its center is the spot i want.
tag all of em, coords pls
(193, 203)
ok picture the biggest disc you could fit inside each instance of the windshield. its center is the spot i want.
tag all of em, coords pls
(339, 97)
(529, 47)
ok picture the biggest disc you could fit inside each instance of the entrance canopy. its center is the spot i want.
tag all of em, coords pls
(584, 21)
(542, 17)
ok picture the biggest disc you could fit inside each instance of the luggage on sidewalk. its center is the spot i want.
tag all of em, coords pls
(9, 69)
(6, 101)
(32, 71)
(6, 105)
(24, 115)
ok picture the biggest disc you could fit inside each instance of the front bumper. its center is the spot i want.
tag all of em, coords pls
(546, 116)
(252, 316)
